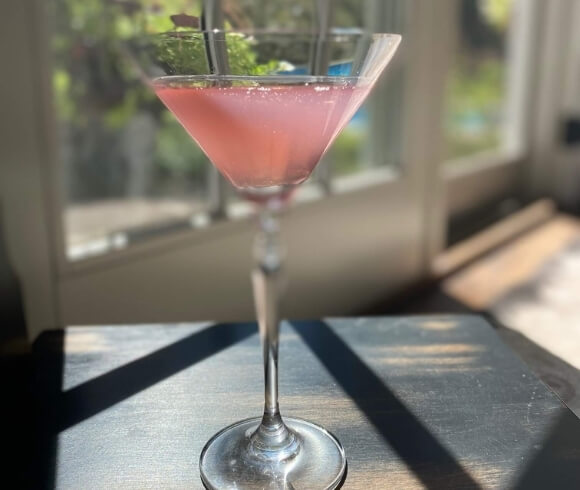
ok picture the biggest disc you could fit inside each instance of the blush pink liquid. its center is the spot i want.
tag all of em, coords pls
(266, 134)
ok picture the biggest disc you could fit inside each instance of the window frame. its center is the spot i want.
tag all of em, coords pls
(486, 177)
(549, 165)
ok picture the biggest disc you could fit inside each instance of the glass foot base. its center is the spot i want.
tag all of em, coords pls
(227, 460)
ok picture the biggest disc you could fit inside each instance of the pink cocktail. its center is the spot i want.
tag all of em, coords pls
(265, 134)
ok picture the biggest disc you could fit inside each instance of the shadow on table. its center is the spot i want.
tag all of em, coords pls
(423, 454)
(58, 410)
(433, 465)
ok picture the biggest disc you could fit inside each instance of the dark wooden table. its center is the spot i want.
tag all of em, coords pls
(431, 402)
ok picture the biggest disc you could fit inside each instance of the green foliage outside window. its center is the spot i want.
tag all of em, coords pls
(476, 96)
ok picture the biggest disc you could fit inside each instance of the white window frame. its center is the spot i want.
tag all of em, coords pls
(551, 166)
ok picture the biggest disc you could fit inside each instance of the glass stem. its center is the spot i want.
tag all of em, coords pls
(272, 439)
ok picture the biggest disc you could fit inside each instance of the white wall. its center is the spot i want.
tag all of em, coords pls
(22, 153)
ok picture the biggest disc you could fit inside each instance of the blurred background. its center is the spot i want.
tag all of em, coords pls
(454, 189)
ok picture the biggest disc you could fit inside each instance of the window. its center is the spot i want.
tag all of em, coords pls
(487, 105)
(477, 103)
(129, 171)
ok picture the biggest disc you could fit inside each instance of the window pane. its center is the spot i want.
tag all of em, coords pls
(126, 164)
(372, 140)
(350, 150)
(475, 117)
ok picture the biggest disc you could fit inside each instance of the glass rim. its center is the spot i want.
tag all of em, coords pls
(334, 33)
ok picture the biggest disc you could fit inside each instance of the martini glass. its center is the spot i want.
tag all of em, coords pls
(265, 106)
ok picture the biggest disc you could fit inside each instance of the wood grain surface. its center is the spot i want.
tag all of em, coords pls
(425, 402)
